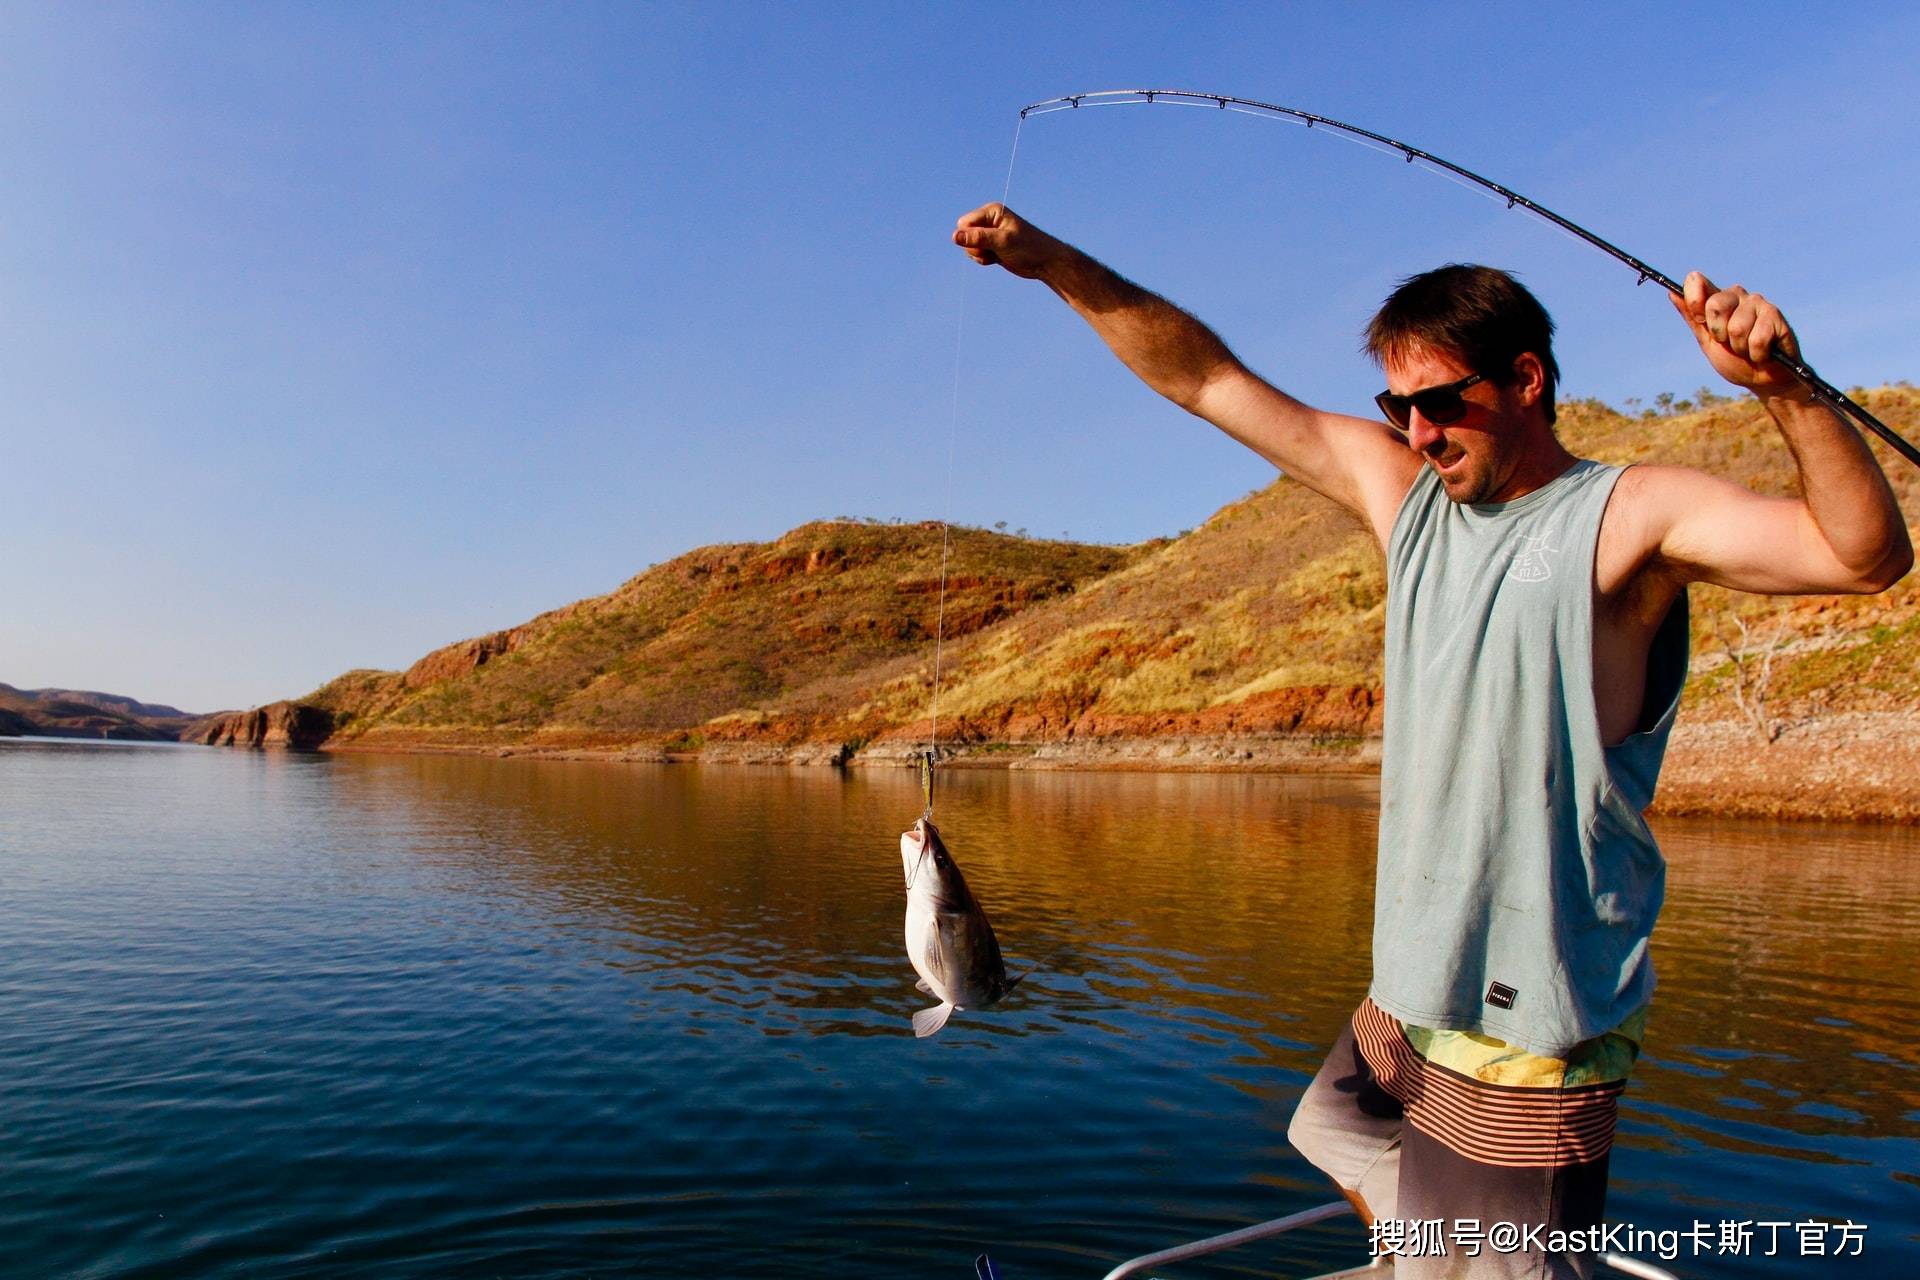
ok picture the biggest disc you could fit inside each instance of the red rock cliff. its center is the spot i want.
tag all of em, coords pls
(278, 724)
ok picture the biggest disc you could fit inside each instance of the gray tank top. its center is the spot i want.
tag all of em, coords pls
(1518, 881)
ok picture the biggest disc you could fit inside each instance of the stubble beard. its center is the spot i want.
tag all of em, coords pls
(1474, 485)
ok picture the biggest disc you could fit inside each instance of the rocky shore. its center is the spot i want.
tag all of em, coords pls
(1860, 767)
(278, 724)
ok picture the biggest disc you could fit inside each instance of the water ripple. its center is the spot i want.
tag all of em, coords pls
(309, 1015)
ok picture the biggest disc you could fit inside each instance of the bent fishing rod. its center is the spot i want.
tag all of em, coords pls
(1824, 391)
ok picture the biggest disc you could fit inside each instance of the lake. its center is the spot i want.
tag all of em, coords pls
(279, 1014)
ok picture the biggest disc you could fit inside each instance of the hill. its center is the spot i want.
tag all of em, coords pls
(716, 630)
(84, 713)
(1253, 640)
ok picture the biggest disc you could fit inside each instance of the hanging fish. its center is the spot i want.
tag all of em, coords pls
(949, 941)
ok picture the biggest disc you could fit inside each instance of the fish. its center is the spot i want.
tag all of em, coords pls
(949, 941)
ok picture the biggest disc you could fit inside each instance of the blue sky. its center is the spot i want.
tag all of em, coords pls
(333, 333)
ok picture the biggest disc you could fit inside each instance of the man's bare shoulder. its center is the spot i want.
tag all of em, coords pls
(1384, 475)
(1657, 493)
(1643, 509)
(1694, 526)
(1359, 463)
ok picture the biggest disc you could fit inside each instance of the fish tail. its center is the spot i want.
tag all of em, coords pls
(928, 1021)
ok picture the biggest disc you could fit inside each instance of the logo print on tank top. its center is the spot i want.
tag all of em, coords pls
(1530, 561)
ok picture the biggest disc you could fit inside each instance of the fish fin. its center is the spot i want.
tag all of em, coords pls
(928, 1021)
(925, 986)
(1014, 982)
(934, 957)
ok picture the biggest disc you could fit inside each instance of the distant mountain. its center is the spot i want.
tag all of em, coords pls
(1257, 633)
(113, 702)
(84, 713)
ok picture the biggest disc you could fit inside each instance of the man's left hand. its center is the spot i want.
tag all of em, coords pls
(1737, 332)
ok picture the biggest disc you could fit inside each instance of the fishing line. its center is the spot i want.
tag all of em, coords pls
(1824, 391)
(931, 754)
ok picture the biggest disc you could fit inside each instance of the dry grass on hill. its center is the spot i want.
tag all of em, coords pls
(716, 630)
(1280, 589)
(1828, 654)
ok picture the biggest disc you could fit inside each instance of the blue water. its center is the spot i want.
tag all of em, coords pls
(270, 1014)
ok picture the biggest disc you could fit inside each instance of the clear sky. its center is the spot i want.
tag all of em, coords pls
(334, 333)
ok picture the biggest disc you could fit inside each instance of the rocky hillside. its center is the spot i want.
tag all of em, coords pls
(1252, 639)
(278, 724)
(713, 632)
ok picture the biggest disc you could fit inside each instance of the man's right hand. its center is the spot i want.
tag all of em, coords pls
(994, 234)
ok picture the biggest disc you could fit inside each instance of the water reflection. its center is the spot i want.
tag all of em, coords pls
(539, 1018)
(1163, 879)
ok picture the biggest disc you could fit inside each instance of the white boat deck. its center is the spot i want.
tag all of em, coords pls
(1378, 1269)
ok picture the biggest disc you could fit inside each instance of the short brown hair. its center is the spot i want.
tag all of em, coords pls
(1480, 314)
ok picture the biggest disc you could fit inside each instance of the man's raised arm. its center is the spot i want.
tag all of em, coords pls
(1845, 533)
(1359, 464)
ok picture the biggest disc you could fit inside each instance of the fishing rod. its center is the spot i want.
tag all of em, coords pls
(1824, 391)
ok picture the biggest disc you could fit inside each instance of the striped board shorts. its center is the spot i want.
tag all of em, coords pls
(1468, 1131)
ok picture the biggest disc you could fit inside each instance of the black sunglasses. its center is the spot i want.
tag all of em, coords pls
(1439, 405)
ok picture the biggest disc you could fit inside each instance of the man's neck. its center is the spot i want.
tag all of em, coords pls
(1536, 469)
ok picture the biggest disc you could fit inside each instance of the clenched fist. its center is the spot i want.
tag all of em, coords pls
(1738, 332)
(994, 233)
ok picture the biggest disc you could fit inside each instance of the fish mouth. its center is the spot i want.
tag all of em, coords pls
(913, 848)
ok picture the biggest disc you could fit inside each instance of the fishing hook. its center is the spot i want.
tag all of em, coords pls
(1823, 390)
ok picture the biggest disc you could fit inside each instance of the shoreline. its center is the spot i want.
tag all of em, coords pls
(1855, 767)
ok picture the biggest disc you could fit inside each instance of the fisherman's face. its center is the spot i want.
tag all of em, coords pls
(1474, 455)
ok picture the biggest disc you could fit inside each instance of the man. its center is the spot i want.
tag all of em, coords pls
(1536, 645)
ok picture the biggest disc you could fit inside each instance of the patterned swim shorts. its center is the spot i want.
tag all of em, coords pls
(1461, 1128)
